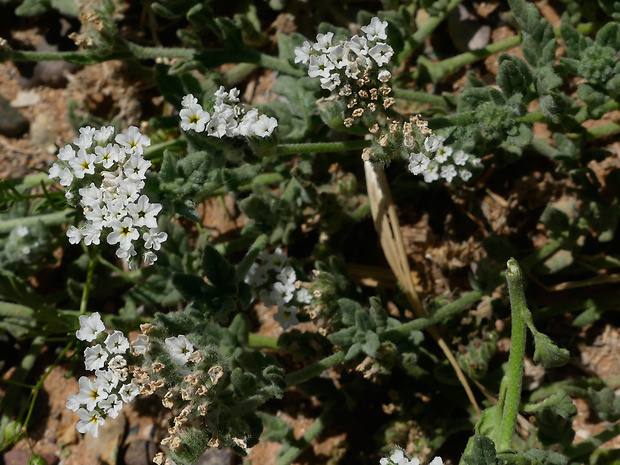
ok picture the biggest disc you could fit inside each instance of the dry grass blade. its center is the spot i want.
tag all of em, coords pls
(388, 227)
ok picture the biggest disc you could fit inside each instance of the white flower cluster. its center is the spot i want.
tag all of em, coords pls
(440, 161)
(398, 457)
(335, 64)
(113, 385)
(287, 292)
(109, 178)
(229, 118)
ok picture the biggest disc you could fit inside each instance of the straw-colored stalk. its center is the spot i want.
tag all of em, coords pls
(388, 228)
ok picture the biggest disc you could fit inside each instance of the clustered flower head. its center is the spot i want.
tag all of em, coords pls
(227, 118)
(108, 178)
(438, 161)
(113, 385)
(398, 457)
(287, 292)
(354, 68)
(187, 379)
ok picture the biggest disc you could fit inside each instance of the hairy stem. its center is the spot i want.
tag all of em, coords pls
(510, 389)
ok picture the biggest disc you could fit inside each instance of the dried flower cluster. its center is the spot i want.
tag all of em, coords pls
(108, 178)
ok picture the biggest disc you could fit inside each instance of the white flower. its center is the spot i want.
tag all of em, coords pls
(74, 235)
(432, 172)
(95, 357)
(320, 66)
(338, 56)
(274, 261)
(432, 143)
(216, 127)
(194, 117)
(123, 232)
(358, 45)
(436, 461)
(189, 100)
(233, 95)
(111, 406)
(129, 392)
(256, 276)
(418, 163)
(448, 172)
(141, 345)
(330, 82)
(323, 42)
(465, 175)
(286, 316)
(108, 155)
(108, 379)
(89, 422)
(144, 213)
(384, 76)
(149, 258)
(83, 164)
(91, 234)
(304, 296)
(282, 293)
(460, 157)
(85, 140)
(117, 343)
(133, 141)
(135, 168)
(246, 125)
(302, 54)
(179, 349)
(64, 175)
(90, 327)
(376, 29)
(91, 392)
(287, 275)
(154, 238)
(265, 126)
(381, 53)
(442, 154)
(73, 402)
(67, 153)
(103, 133)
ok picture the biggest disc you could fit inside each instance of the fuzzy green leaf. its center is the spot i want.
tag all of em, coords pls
(481, 453)
(218, 270)
(554, 417)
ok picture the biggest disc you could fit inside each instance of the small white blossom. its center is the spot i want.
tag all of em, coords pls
(376, 29)
(90, 327)
(179, 349)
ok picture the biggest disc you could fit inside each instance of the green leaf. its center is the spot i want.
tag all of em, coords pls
(190, 286)
(514, 76)
(219, 271)
(30, 8)
(482, 452)
(605, 403)
(547, 353)
(372, 344)
(554, 417)
(174, 88)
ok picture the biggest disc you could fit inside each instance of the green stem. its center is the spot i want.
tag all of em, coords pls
(290, 454)
(311, 147)
(264, 179)
(37, 388)
(258, 341)
(510, 389)
(426, 30)
(444, 313)
(131, 276)
(421, 97)
(157, 150)
(459, 119)
(448, 66)
(315, 369)
(92, 264)
(604, 130)
(212, 58)
(48, 219)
